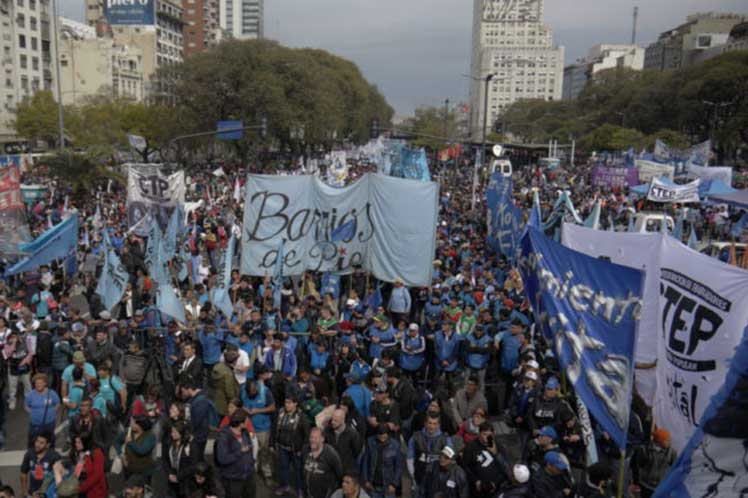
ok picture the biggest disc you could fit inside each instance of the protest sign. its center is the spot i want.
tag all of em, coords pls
(649, 170)
(602, 176)
(660, 191)
(393, 233)
(151, 192)
(503, 216)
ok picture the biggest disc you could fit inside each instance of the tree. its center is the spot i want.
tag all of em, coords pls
(36, 118)
(611, 137)
(80, 170)
(429, 122)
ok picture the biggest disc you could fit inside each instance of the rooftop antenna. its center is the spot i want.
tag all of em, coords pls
(633, 30)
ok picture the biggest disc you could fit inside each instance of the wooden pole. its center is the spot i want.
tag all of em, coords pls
(621, 473)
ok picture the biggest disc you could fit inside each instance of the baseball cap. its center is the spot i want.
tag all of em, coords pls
(531, 375)
(557, 460)
(533, 364)
(521, 473)
(448, 452)
(413, 326)
(549, 431)
(79, 356)
(552, 383)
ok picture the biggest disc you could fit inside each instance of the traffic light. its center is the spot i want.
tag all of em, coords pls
(264, 127)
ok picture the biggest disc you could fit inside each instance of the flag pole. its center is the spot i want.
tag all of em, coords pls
(621, 473)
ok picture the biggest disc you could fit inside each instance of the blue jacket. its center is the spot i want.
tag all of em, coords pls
(412, 360)
(510, 345)
(433, 310)
(361, 397)
(392, 461)
(288, 361)
(200, 414)
(400, 300)
(211, 344)
(474, 359)
(360, 369)
(386, 340)
(232, 462)
(318, 360)
(261, 421)
(446, 350)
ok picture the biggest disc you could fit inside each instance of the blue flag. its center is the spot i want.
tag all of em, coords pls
(536, 217)
(220, 294)
(678, 229)
(58, 245)
(412, 164)
(113, 280)
(588, 310)
(503, 222)
(330, 284)
(153, 254)
(713, 463)
(173, 229)
(44, 238)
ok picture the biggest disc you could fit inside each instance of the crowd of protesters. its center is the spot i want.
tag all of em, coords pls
(374, 390)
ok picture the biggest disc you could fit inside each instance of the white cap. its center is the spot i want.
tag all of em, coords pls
(521, 473)
(448, 452)
(531, 375)
(350, 302)
(533, 364)
(413, 326)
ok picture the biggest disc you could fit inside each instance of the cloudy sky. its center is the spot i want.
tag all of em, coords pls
(417, 50)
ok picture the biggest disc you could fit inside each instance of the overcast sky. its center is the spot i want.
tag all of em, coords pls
(416, 50)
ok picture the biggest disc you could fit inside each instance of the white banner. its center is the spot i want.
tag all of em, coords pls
(660, 191)
(151, 191)
(649, 170)
(703, 309)
(639, 251)
(387, 225)
(723, 173)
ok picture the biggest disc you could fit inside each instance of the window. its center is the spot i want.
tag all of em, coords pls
(22, 41)
(35, 84)
(19, 3)
(34, 45)
(21, 21)
(24, 61)
(35, 63)
(32, 4)
(64, 62)
(25, 83)
(8, 83)
(32, 23)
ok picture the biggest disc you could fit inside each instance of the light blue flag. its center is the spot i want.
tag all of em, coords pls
(182, 263)
(693, 241)
(678, 229)
(536, 217)
(113, 280)
(593, 220)
(44, 238)
(737, 229)
(168, 303)
(330, 284)
(56, 246)
(153, 256)
(220, 293)
(173, 229)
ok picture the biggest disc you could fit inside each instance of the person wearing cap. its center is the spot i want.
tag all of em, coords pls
(553, 479)
(521, 400)
(653, 460)
(382, 464)
(519, 486)
(424, 449)
(451, 481)
(547, 407)
(535, 450)
(485, 463)
(381, 335)
(291, 432)
(478, 353)
(384, 410)
(323, 470)
(79, 360)
(412, 351)
(235, 456)
(508, 344)
(446, 352)
(400, 302)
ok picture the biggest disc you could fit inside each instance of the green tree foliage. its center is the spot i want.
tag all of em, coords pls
(294, 89)
(611, 137)
(81, 170)
(36, 118)
(429, 123)
(690, 105)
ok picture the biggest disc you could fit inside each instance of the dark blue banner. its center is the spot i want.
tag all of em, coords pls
(588, 310)
(503, 216)
(130, 12)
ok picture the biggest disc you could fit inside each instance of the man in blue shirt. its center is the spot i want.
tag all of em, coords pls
(400, 302)
(478, 353)
(211, 342)
(446, 351)
(359, 393)
(259, 403)
(79, 360)
(42, 404)
(381, 336)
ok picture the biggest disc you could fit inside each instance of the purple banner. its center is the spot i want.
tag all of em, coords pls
(603, 176)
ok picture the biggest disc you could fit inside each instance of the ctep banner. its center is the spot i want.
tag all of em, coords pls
(660, 191)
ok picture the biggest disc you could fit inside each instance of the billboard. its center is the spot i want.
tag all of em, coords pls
(128, 12)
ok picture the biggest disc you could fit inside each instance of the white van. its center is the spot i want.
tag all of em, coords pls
(652, 222)
(503, 166)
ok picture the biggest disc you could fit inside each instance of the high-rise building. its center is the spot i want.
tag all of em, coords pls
(511, 42)
(26, 55)
(91, 65)
(161, 43)
(242, 19)
(600, 57)
(201, 30)
(684, 45)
